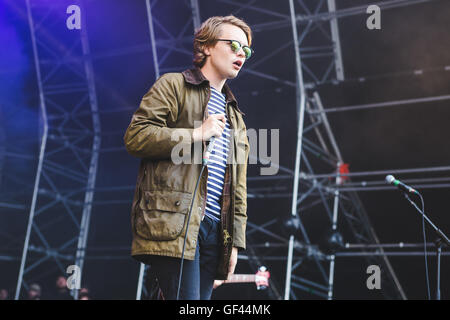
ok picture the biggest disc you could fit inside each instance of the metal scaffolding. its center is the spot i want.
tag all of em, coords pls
(330, 55)
(71, 134)
(69, 148)
(322, 148)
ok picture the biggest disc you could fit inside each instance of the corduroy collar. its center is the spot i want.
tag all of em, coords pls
(195, 76)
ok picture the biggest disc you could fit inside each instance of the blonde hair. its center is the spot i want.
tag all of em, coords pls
(208, 33)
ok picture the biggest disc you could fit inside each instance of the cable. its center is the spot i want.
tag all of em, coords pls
(424, 238)
(204, 164)
(425, 246)
(187, 227)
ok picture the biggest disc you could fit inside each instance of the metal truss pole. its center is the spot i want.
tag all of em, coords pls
(43, 111)
(301, 93)
(333, 228)
(362, 218)
(384, 172)
(339, 66)
(65, 179)
(195, 14)
(324, 120)
(395, 103)
(92, 174)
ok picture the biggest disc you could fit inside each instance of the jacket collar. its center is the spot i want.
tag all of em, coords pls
(195, 76)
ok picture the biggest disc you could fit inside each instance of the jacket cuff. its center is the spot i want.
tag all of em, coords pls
(239, 242)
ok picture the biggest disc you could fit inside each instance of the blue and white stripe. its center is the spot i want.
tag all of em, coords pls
(218, 158)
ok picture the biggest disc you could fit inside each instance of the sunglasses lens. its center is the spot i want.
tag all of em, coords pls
(247, 51)
(235, 46)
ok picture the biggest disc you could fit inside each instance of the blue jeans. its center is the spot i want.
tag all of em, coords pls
(198, 274)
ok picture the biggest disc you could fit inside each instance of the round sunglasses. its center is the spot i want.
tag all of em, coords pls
(236, 45)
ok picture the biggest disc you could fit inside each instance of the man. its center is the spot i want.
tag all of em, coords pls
(4, 294)
(60, 291)
(34, 293)
(165, 126)
(84, 294)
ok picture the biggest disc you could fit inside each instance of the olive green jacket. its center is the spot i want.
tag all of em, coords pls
(162, 127)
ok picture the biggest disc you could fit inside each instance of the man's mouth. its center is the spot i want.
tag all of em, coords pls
(238, 64)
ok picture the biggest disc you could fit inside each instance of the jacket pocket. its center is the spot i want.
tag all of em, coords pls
(161, 214)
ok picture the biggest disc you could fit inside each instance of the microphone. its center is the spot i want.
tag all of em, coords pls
(208, 150)
(400, 185)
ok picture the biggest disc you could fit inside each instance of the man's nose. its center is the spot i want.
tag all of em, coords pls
(241, 52)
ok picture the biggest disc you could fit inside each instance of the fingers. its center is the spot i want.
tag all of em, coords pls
(217, 131)
(213, 126)
(220, 117)
(219, 124)
(217, 283)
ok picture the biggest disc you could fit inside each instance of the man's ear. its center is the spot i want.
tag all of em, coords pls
(206, 51)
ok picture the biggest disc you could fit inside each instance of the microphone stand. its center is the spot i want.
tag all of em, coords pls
(440, 243)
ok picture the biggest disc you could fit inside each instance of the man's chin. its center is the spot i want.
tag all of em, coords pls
(233, 74)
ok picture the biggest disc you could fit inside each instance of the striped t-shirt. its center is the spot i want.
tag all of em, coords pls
(218, 158)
